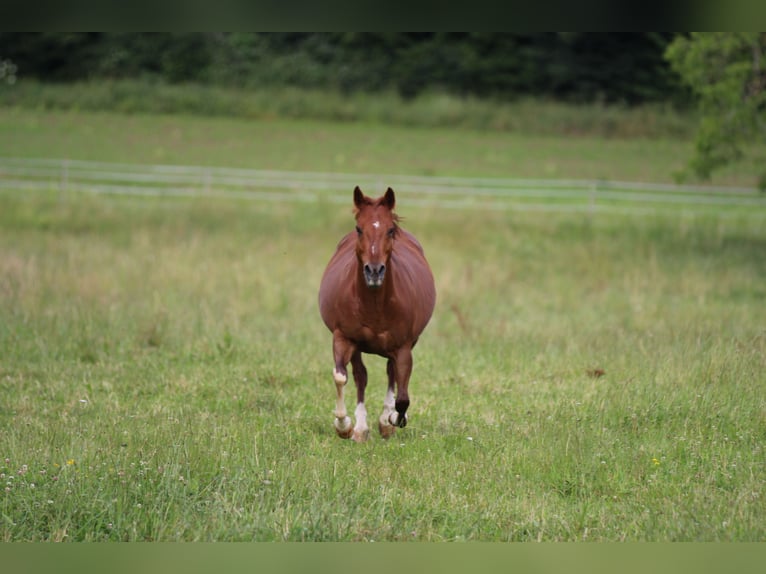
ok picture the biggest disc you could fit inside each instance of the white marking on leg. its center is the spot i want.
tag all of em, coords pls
(388, 402)
(361, 430)
(384, 423)
(342, 422)
(361, 416)
(340, 403)
(340, 378)
(388, 408)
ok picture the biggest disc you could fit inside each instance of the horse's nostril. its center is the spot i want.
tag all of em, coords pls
(374, 268)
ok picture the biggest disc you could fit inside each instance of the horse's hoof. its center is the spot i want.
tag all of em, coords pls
(343, 427)
(397, 420)
(361, 436)
(386, 430)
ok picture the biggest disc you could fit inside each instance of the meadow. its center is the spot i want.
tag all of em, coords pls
(165, 374)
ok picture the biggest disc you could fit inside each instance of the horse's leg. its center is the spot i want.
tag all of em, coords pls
(399, 369)
(342, 350)
(402, 372)
(384, 425)
(361, 430)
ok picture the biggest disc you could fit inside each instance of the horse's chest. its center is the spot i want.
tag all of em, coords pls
(377, 337)
(378, 334)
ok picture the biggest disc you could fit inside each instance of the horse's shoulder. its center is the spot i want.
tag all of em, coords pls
(345, 242)
(415, 273)
(343, 250)
(411, 242)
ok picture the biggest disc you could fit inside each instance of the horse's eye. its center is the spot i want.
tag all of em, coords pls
(391, 231)
(358, 230)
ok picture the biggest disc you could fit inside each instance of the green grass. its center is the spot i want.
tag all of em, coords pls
(165, 375)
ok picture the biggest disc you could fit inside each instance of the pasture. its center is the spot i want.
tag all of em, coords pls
(165, 374)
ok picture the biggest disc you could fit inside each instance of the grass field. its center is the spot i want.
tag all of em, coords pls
(165, 374)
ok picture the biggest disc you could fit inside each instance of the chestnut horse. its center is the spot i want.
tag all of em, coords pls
(376, 296)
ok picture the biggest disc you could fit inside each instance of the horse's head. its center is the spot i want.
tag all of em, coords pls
(376, 229)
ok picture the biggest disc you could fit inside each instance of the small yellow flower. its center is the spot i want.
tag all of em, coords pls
(655, 461)
(70, 462)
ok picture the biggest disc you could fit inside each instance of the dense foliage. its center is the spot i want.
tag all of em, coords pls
(727, 72)
(581, 67)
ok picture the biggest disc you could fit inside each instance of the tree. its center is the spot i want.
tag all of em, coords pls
(727, 73)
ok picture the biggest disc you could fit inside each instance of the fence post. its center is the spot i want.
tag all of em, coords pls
(64, 181)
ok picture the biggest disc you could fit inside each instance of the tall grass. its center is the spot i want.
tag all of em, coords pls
(523, 116)
(165, 376)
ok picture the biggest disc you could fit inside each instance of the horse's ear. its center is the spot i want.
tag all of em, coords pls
(359, 198)
(389, 199)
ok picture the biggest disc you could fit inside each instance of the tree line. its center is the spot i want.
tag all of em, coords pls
(627, 68)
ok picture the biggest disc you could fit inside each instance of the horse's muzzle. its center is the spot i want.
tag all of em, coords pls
(374, 273)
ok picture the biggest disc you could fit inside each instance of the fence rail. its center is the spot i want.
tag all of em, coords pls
(63, 175)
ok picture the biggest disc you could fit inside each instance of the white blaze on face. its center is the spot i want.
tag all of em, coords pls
(373, 248)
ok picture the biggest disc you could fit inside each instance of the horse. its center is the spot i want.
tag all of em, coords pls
(376, 296)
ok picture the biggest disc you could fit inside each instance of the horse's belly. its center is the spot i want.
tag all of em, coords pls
(376, 347)
(384, 341)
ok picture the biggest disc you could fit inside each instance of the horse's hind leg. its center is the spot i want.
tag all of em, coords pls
(361, 430)
(342, 350)
(384, 423)
(402, 372)
(394, 414)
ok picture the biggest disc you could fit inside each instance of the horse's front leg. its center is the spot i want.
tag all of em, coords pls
(361, 430)
(342, 350)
